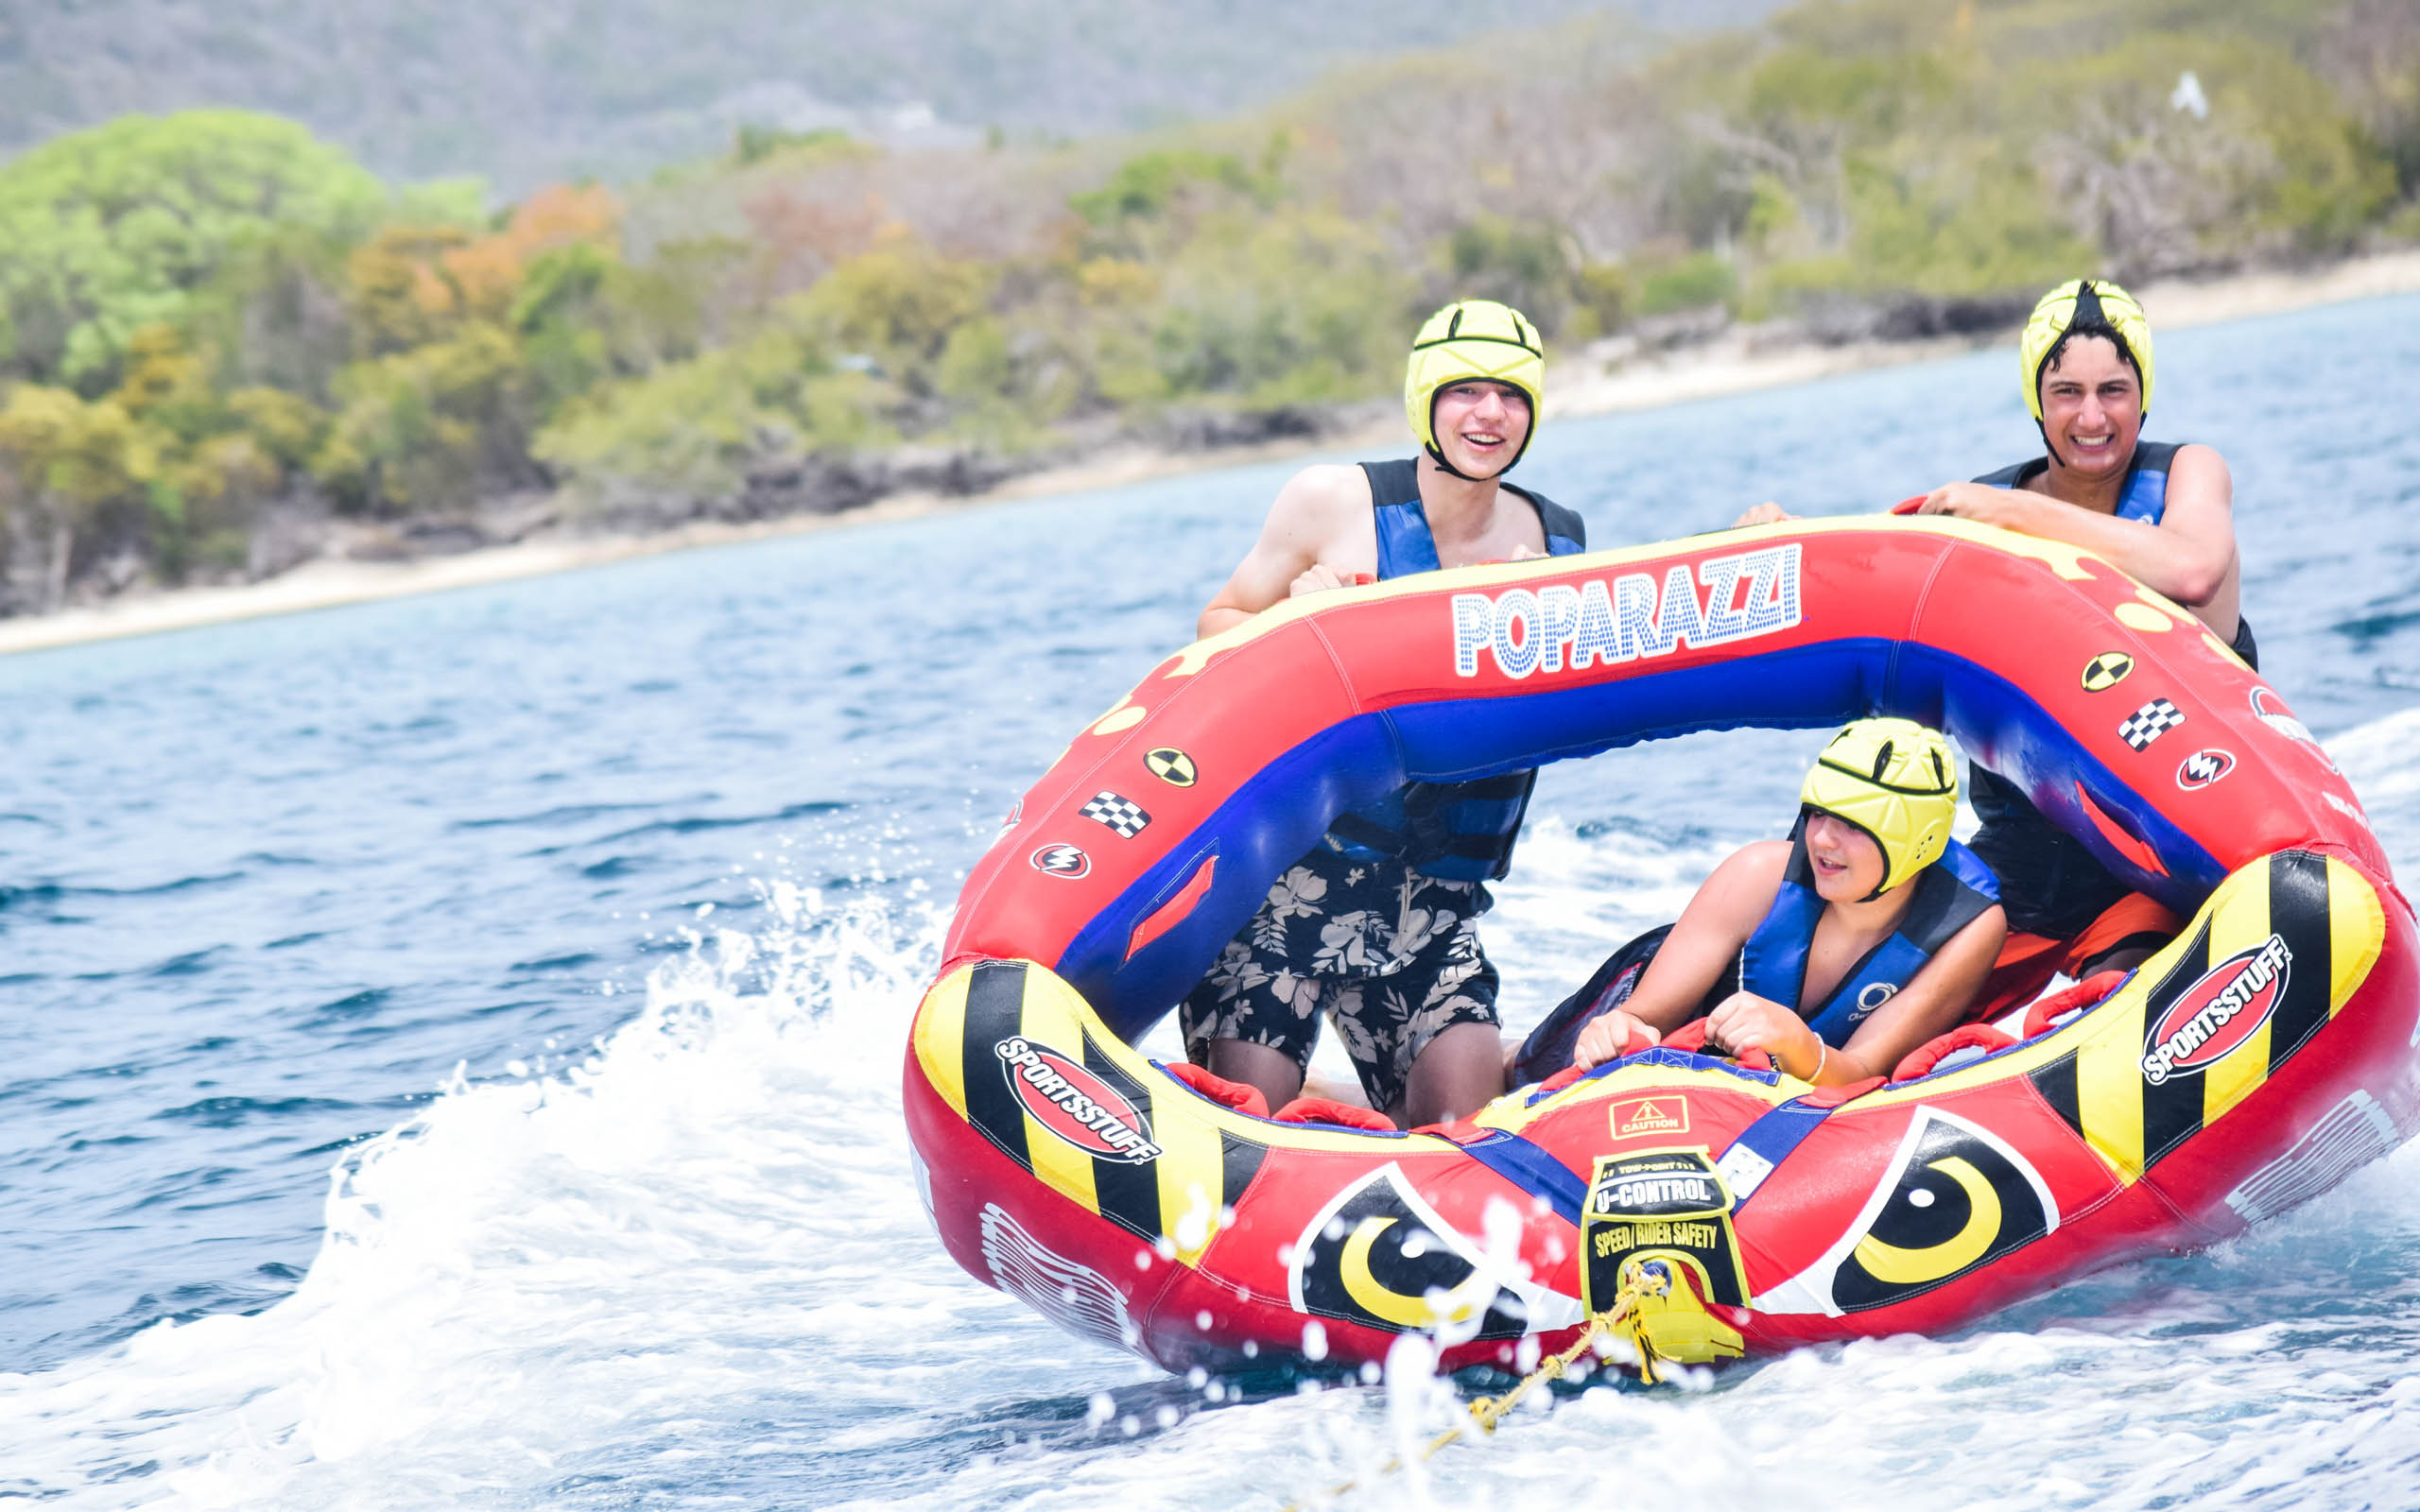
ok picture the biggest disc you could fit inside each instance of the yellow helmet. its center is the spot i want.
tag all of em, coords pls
(1473, 339)
(2082, 302)
(1897, 780)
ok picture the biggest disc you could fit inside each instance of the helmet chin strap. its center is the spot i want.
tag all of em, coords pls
(2053, 450)
(1437, 457)
(2046, 443)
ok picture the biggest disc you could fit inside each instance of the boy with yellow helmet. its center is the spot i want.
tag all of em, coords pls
(1835, 951)
(2160, 511)
(1377, 927)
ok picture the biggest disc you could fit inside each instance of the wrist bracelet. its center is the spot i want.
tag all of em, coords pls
(1821, 1052)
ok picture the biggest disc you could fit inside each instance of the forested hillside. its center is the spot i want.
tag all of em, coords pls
(223, 340)
(537, 89)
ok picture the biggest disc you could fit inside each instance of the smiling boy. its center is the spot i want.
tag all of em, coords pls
(2160, 511)
(1377, 927)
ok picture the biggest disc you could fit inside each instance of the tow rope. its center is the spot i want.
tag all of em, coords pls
(1621, 1321)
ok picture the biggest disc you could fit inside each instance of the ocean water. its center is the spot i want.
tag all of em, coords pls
(455, 1043)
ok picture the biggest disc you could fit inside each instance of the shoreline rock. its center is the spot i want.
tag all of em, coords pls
(305, 556)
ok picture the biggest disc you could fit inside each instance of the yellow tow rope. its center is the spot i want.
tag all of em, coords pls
(1645, 1280)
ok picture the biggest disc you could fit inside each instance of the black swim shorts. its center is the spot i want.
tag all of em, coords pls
(1390, 956)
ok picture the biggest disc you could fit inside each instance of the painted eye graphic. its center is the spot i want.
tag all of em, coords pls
(1956, 1197)
(1938, 1221)
(1381, 1257)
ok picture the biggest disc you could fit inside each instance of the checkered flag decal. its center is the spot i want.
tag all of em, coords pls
(1123, 815)
(2149, 722)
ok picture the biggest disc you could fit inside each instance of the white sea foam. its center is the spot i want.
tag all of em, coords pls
(701, 1241)
(692, 1269)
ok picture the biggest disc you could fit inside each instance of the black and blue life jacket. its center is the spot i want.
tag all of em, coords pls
(2145, 494)
(1950, 894)
(1773, 964)
(2053, 885)
(1462, 831)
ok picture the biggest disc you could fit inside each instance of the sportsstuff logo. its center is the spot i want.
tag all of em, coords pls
(1074, 1104)
(1606, 621)
(2217, 1014)
(2271, 711)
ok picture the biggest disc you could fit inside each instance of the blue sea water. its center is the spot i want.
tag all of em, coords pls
(454, 1043)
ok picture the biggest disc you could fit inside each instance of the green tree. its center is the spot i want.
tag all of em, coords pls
(898, 304)
(114, 228)
(65, 462)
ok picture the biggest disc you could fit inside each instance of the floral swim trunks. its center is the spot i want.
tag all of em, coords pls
(1390, 956)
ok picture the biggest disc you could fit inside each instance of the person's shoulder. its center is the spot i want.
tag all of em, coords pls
(1324, 490)
(1339, 480)
(2199, 468)
(1761, 855)
(1757, 867)
(1737, 893)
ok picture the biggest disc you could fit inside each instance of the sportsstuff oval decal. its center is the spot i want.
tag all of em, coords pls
(1075, 1104)
(2217, 1014)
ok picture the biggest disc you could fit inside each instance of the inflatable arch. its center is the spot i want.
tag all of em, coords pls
(2252, 1063)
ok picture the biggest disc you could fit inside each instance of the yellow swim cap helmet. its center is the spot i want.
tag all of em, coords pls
(1472, 338)
(1895, 780)
(2087, 306)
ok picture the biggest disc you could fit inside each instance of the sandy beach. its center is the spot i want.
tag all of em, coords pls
(1733, 362)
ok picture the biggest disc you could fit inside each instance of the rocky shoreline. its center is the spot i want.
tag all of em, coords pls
(303, 557)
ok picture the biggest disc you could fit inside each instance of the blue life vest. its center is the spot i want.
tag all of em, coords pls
(1950, 894)
(1461, 832)
(2054, 885)
(2145, 495)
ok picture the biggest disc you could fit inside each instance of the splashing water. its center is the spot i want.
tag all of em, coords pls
(666, 1245)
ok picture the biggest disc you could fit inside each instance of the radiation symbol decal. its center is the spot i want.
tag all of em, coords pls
(2106, 671)
(1955, 1197)
(1381, 1257)
(1172, 767)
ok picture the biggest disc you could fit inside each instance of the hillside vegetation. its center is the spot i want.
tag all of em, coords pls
(540, 89)
(219, 334)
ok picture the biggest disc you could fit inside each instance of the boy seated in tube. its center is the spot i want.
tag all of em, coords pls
(1835, 951)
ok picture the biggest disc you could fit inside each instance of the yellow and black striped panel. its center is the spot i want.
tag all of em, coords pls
(2331, 926)
(1178, 1194)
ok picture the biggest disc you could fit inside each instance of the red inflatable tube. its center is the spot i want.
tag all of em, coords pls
(2252, 1063)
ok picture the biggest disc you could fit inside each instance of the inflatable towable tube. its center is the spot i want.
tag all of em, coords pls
(2252, 1064)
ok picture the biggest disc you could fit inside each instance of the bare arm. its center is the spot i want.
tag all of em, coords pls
(1931, 1005)
(2189, 555)
(1307, 543)
(1726, 910)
